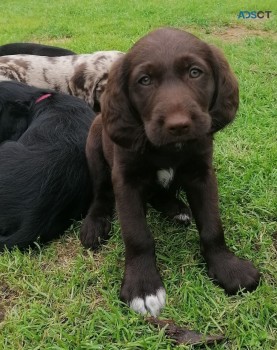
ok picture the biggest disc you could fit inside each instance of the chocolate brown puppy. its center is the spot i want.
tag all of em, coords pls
(163, 102)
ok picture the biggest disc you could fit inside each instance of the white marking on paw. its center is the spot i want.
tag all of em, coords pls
(179, 146)
(182, 217)
(137, 304)
(155, 303)
(165, 176)
(152, 303)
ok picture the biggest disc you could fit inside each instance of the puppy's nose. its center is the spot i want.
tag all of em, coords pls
(177, 125)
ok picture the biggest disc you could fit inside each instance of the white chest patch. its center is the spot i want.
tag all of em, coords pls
(165, 177)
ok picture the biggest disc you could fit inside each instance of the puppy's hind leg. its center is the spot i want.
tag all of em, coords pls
(166, 202)
(97, 224)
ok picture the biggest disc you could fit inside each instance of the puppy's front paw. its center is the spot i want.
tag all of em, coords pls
(144, 293)
(94, 231)
(233, 273)
(152, 303)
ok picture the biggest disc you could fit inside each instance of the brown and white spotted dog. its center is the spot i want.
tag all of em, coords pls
(84, 76)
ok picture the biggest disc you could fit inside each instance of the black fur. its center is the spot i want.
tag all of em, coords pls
(33, 49)
(44, 179)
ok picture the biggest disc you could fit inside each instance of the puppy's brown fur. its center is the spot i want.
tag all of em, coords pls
(164, 101)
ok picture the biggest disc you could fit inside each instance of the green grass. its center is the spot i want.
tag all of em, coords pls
(64, 297)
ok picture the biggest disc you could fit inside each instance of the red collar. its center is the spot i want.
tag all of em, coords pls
(43, 97)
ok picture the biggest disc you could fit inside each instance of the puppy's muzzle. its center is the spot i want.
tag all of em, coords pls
(177, 125)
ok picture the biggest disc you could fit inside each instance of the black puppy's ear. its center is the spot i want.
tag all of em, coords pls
(24, 106)
(226, 98)
(118, 117)
(14, 120)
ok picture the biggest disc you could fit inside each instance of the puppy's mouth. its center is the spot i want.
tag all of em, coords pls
(178, 129)
(177, 143)
(160, 138)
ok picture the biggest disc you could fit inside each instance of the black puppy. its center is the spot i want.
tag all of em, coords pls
(44, 179)
(33, 49)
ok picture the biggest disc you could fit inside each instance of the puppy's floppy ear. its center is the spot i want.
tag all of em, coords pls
(117, 113)
(226, 98)
(14, 120)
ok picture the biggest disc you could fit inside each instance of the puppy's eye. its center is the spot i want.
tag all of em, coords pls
(145, 80)
(195, 72)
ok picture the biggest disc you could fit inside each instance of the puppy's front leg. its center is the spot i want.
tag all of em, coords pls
(229, 271)
(142, 288)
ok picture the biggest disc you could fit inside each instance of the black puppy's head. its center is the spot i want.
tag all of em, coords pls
(16, 100)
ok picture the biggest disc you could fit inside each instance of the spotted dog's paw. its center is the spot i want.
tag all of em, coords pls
(143, 291)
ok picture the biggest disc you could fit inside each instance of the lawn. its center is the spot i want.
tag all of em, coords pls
(61, 296)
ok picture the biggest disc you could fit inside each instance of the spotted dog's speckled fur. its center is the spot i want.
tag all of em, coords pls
(83, 76)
